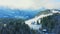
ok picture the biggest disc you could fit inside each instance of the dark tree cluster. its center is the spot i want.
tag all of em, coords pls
(51, 23)
(14, 26)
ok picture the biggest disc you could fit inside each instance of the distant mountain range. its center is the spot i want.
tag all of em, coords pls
(6, 12)
(17, 13)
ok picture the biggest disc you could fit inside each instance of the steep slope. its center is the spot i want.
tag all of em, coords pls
(51, 23)
(33, 22)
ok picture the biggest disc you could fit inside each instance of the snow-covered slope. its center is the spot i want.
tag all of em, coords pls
(34, 20)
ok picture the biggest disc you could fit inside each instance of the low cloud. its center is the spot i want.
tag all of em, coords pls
(30, 4)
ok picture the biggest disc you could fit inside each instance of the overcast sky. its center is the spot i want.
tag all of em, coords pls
(30, 4)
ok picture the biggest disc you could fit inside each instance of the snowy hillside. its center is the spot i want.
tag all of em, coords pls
(38, 18)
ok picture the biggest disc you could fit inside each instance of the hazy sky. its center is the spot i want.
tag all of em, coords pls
(30, 4)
